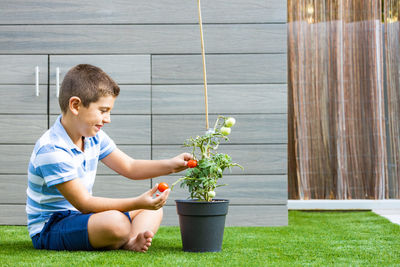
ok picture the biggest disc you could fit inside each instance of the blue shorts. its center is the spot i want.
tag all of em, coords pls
(65, 230)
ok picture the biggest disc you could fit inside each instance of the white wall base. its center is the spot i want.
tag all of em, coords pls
(357, 204)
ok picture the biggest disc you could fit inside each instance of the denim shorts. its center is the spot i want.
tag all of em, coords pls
(65, 230)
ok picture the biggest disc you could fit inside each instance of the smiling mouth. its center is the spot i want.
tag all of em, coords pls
(99, 127)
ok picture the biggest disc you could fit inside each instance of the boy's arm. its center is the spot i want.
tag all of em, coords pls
(77, 194)
(144, 169)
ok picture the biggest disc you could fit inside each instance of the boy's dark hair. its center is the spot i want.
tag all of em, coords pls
(87, 82)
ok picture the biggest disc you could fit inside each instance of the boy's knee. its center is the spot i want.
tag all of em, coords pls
(119, 226)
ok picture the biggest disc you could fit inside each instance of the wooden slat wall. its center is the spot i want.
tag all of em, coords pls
(140, 12)
(152, 49)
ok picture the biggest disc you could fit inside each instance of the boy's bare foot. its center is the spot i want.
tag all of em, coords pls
(140, 243)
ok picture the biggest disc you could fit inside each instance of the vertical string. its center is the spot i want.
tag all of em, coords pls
(204, 64)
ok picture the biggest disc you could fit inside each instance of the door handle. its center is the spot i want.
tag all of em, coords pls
(57, 82)
(37, 80)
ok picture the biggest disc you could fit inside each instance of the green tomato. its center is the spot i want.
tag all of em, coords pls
(211, 194)
(225, 130)
(230, 122)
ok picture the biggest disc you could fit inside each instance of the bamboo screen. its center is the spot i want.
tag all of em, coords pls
(344, 113)
(392, 59)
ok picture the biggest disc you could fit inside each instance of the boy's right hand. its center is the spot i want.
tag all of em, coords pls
(146, 200)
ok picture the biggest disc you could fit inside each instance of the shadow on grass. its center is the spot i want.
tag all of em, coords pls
(17, 245)
(165, 248)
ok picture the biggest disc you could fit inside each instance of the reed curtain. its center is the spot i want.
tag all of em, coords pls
(344, 99)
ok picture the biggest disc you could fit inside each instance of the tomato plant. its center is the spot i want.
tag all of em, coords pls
(202, 179)
(162, 187)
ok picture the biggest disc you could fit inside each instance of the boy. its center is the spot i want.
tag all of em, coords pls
(62, 213)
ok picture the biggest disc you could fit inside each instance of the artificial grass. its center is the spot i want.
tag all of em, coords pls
(312, 238)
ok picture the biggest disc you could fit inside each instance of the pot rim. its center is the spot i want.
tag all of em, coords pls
(218, 200)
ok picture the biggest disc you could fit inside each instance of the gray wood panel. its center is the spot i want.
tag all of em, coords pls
(129, 129)
(20, 69)
(13, 215)
(23, 99)
(140, 11)
(242, 69)
(13, 188)
(17, 159)
(256, 159)
(115, 186)
(134, 151)
(124, 69)
(132, 99)
(22, 128)
(241, 189)
(152, 50)
(126, 129)
(249, 129)
(246, 215)
(222, 98)
(142, 39)
(18, 156)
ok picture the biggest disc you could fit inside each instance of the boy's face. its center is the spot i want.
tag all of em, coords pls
(92, 118)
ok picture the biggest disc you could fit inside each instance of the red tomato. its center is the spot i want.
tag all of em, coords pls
(192, 163)
(162, 187)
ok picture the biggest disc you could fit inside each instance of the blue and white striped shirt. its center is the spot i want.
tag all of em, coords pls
(56, 159)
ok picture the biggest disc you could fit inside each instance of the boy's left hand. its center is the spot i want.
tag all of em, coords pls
(179, 163)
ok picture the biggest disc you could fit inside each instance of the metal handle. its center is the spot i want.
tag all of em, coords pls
(57, 82)
(37, 80)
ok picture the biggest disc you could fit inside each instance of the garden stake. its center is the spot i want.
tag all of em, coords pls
(204, 64)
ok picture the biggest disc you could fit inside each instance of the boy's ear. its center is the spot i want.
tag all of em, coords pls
(75, 104)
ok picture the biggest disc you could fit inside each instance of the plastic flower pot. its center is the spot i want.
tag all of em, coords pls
(202, 224)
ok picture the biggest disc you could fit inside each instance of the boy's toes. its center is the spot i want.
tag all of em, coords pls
(141, 243)
(148, 234)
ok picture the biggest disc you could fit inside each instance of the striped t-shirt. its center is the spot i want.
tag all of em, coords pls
(56, 159)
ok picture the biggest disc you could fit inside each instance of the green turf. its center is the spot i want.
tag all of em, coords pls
(312, 238)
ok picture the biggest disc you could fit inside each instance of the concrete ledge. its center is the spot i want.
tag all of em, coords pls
(356, 204)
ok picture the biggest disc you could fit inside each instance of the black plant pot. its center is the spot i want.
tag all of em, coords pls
(202, 224)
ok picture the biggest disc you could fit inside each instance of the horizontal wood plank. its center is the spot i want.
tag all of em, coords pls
(256, 159)
(115, 186)
(142, 39)
(18, 156)
(134, 151)
(17, 159)
(240, 189)
(124, 69)
(13, 187)
(246, 215)
(20, 69)
(222, 98)
(241, 69)
(129, 129)
(22, 128)
(13, 214)
(249, 129)
(22, 99)
(132, 99)
(126, 129)
(140, 11)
